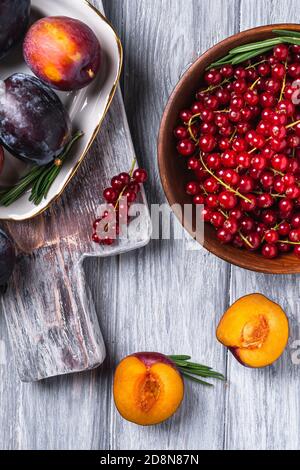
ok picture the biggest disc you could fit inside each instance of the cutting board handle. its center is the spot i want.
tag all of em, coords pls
(51, 316)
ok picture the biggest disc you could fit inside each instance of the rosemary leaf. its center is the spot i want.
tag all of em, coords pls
(193, 365)
(202, 373)
(180, 358)
(190, 377)
(192, 369)
(292, 40)
(238, 59)
(255, 45)
(286, 32)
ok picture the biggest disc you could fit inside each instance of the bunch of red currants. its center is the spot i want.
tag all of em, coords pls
(241, 140)
(123, 192)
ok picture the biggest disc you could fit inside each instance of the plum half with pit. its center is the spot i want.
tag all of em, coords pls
(7, 259)
(14, 20)
(34, 125)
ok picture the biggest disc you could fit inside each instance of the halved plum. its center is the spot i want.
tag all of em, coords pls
(34, 125)
(14, 21)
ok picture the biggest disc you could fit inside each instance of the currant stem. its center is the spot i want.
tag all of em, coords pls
(245, 239)
(254, 84)
(287, 242)
(124, 189)
(293, 124)
(212, 88)
(283, 84)
(256, 64)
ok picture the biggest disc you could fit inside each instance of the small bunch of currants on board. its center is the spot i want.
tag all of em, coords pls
(241, 141)
(123, 192)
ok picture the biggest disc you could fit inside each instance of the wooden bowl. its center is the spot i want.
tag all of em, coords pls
(174, 174)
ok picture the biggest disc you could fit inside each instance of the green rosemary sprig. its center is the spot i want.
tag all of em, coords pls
(192, 370)
(39, 179)
(249, 51)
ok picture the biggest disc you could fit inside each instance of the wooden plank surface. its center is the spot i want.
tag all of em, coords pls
(164, 297)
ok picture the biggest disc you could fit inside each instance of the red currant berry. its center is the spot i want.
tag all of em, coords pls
(279, 162)
(267, 180)
(117, 184)
(140, 176)
(271, 236)
(278, 71)
(285, 206)
(231, 225)
(211, 185)
(229, 159)
(110, 195)
(186, 148)
(267, 100)
(227, 71)
(247, 225)
(193, 164)
(224, 236)
(265, 201)
(284, 229)
(217, 219)
(250, 204)
(206, 215)
(227, 200)
(297, 251)
(281, 52)
(212, 201)
(295, 221)
(269, 217)
(294, 236)
(186, 115)
(270, 251)
(198, 200)
(207, 143)
(259, 162)
(193, 188)
(254, 241)
(293, 192)
(294, 70)
(213, 77)
(181, 133)
(125, 178)
(264, 70)
(213, 161)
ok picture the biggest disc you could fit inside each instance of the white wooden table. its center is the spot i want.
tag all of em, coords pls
(165, 298)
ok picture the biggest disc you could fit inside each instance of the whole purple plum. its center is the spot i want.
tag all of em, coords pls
(34, 125)
(14, 21)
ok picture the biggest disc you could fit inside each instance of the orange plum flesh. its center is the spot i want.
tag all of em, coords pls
(256, 331)
(148, 389)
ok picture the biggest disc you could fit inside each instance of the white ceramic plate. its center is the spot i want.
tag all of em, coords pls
(87, 107)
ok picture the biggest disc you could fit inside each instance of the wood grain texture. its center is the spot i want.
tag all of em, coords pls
(164, 297)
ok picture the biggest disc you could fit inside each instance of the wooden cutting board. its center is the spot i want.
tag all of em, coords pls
(50, 315)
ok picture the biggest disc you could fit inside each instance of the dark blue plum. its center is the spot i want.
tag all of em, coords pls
(7, 258)
(14, 21)
(34, 125)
